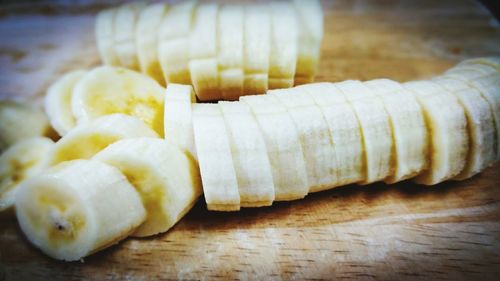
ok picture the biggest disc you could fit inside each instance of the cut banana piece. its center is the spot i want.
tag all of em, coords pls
(85, 140)
(58, 102)
(148, 22)
(124, 34)
(106, 90)
(179, 118)
(20, 121)
(173, 39)
(345, 132)
(471, 71)
(104, 30)
(218, 176)
(480, 125)
(249, 153)
(78, 208)
(491, 61)
(167, 180)
(314, 137)
(21, 161)
(410, 136)
(447, 126)
(283, 147)
(375, 129)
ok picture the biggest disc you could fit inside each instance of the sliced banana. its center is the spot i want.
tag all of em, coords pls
(167, 180)
(78, 208)
(58, 101)
(85, 140)
(249, 153)
(410, 136)
(470, 71)
(491, 61)
(21, 161)
(104, 31)
(283, 147)
(125, 22)
(218, 176)
(447, 127)
(106, 90)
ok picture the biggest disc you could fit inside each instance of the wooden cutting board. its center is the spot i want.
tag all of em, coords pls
(449, 231)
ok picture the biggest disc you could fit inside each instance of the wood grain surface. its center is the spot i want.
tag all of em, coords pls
(403, 231)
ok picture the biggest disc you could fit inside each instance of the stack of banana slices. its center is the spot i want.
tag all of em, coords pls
(224, 51)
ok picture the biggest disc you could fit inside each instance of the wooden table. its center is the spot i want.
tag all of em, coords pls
(449, 231)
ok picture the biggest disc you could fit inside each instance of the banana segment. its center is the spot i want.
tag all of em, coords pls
(218, 176)
(107, 90)
(21, 161)
(178, 117)
(77, 208)
(283, 147)
(249, 153)
(85, 140)
(125, 21)
(491, 61)
(167, 180)
(104, 31)
(447, 126)
(58, 102)
(410, 136)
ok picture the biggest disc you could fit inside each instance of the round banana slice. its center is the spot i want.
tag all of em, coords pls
(85, 140)
(21, 161)
(104, 36)
(58, 102)
(77, 208)
(106, 90)
(167, 180)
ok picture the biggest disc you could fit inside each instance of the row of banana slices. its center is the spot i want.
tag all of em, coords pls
(224, 51)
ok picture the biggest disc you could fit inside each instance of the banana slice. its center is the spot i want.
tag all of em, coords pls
(314, 137)
(178, 117)
(249, 153)
(148, 22)
(167, 180)
(58, 101)
(104, 31)
(447, 127)
(280, 83)
(21, 121)
(218, 176)
(124, 34)
(203, 65)
(230, 47)
(284, 38)
(375, 129)
(480, 125)
(283, 147)
(491, 61)
(256, 52)
(173, 39)
(85, 140)
(470, 71)
(409, 132)
(24, 159)
(345, 132)
(106, 90)
(78, 208)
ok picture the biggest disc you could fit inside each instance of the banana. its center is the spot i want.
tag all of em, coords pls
(280, 83)
(218, 176)
(58, 102)
(249, 153)
(491, 61)
(314, 137)
(125, 21)
(409, 132)
(256, 51)
(230, 51)
(24, 159)
(167, 180)
(375, 129)
(20, 121)
(173, 42)
(178, 117)
(470, 71)
(85, 140)
(148, 22)
(104, 30)
(284, 37)
(106, 90)
(447, 127)
(78, 208)
(480, 125)
(283, 147)
(345, 132)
